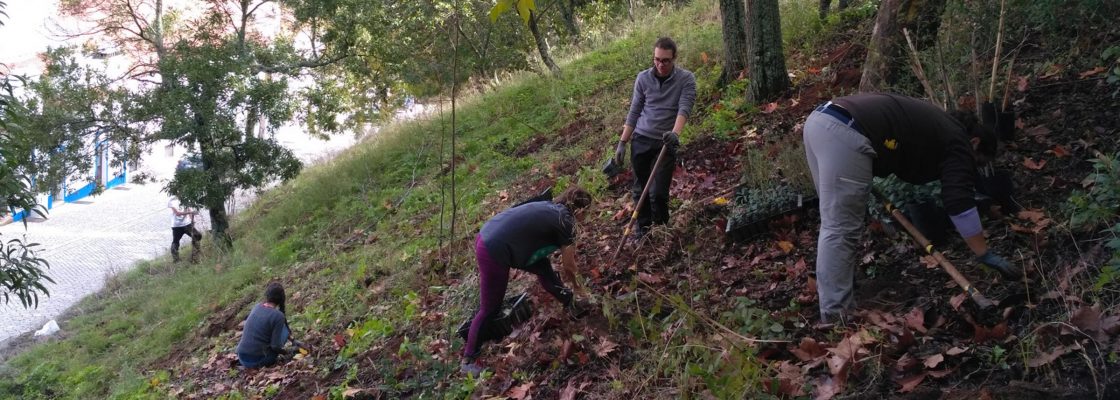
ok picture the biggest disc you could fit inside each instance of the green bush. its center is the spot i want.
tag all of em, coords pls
(1099, 206)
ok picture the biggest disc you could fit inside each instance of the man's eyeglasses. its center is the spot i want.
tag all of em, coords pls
(662, 60)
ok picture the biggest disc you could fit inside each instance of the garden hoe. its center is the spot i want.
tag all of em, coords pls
(925, 244)
(641, 199)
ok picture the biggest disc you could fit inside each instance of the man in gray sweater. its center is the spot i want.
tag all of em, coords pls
(660, 106)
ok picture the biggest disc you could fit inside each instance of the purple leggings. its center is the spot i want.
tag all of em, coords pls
(493, 280)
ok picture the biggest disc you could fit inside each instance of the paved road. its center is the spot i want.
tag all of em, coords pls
(86, 242)
(100, 236)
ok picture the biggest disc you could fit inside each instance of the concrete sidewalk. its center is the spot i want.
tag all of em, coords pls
(87, 242)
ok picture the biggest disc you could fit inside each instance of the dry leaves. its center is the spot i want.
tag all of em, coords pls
(1033, 165)
(916, 320)
(521, 392)
(1091, 72)
(604, 347)
(1048, 357)
(769, 108)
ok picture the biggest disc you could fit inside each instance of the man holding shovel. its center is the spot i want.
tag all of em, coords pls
(522, 237)
(850, 139)
(659, 107)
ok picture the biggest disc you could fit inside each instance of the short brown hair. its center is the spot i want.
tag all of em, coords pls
(574, 198)
(666, 43)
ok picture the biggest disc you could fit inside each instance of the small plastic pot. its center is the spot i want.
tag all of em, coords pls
(1000, 121)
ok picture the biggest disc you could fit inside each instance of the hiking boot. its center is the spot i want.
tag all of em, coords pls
(637, 235)
(829, 322)
(471, 368)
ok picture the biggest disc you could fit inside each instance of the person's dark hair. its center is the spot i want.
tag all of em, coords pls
(975, 129)
(667, 44)
(274, 293)
(574, 198)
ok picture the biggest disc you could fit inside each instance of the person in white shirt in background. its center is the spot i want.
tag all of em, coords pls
(182, 223)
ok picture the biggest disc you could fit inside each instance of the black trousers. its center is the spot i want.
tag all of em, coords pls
(196, 240)
(643, 154)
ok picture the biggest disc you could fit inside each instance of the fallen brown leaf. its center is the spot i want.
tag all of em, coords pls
(1031, 164)
(955, 351)
(768, 108)
(649, 278)
(1060, 151)
(957, 300)
(911, 382)
(786, 246)
(933, 361)
(916, 320)
(792, 379)
(1033, 215)
(605, 347)
(827, 388)
(520, 392)
(906, 363)
(808, 350)
(1022, 85)
(1037, 131)
(1048, 357)
(1091, 72)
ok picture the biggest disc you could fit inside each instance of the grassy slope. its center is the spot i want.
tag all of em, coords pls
(355, 241)
(384, 192)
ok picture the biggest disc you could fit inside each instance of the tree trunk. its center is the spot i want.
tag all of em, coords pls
(885, 53)
(884, 42)
(766, 64)
(542, 46)
(568, 9)
(734, 14)
(214, 202)
(922, 18)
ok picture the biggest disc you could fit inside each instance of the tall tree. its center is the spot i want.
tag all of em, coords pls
(885, 52)
(527, 9)
(733, 15)
(21, 270)
(766, 64)
(208, 83)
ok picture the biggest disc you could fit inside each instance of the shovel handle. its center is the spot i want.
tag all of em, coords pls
(927, 246)
(641, 199)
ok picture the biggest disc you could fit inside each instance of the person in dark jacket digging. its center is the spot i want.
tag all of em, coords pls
(522, 237)
(266, 331)
(850, 139)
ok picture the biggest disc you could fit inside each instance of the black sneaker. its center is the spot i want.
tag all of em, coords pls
(637, 235)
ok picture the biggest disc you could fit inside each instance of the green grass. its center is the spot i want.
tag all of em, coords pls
(391, 188)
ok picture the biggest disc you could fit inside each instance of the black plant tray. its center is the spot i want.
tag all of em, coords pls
(515, 311)
(759, 224)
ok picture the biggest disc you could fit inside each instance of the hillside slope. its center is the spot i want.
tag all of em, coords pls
(377, 282)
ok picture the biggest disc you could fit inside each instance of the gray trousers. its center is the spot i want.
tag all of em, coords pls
(840, 160)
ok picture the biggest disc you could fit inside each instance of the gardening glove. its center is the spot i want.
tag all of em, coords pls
(620, 154)
(1005, 268)
(671, 139)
